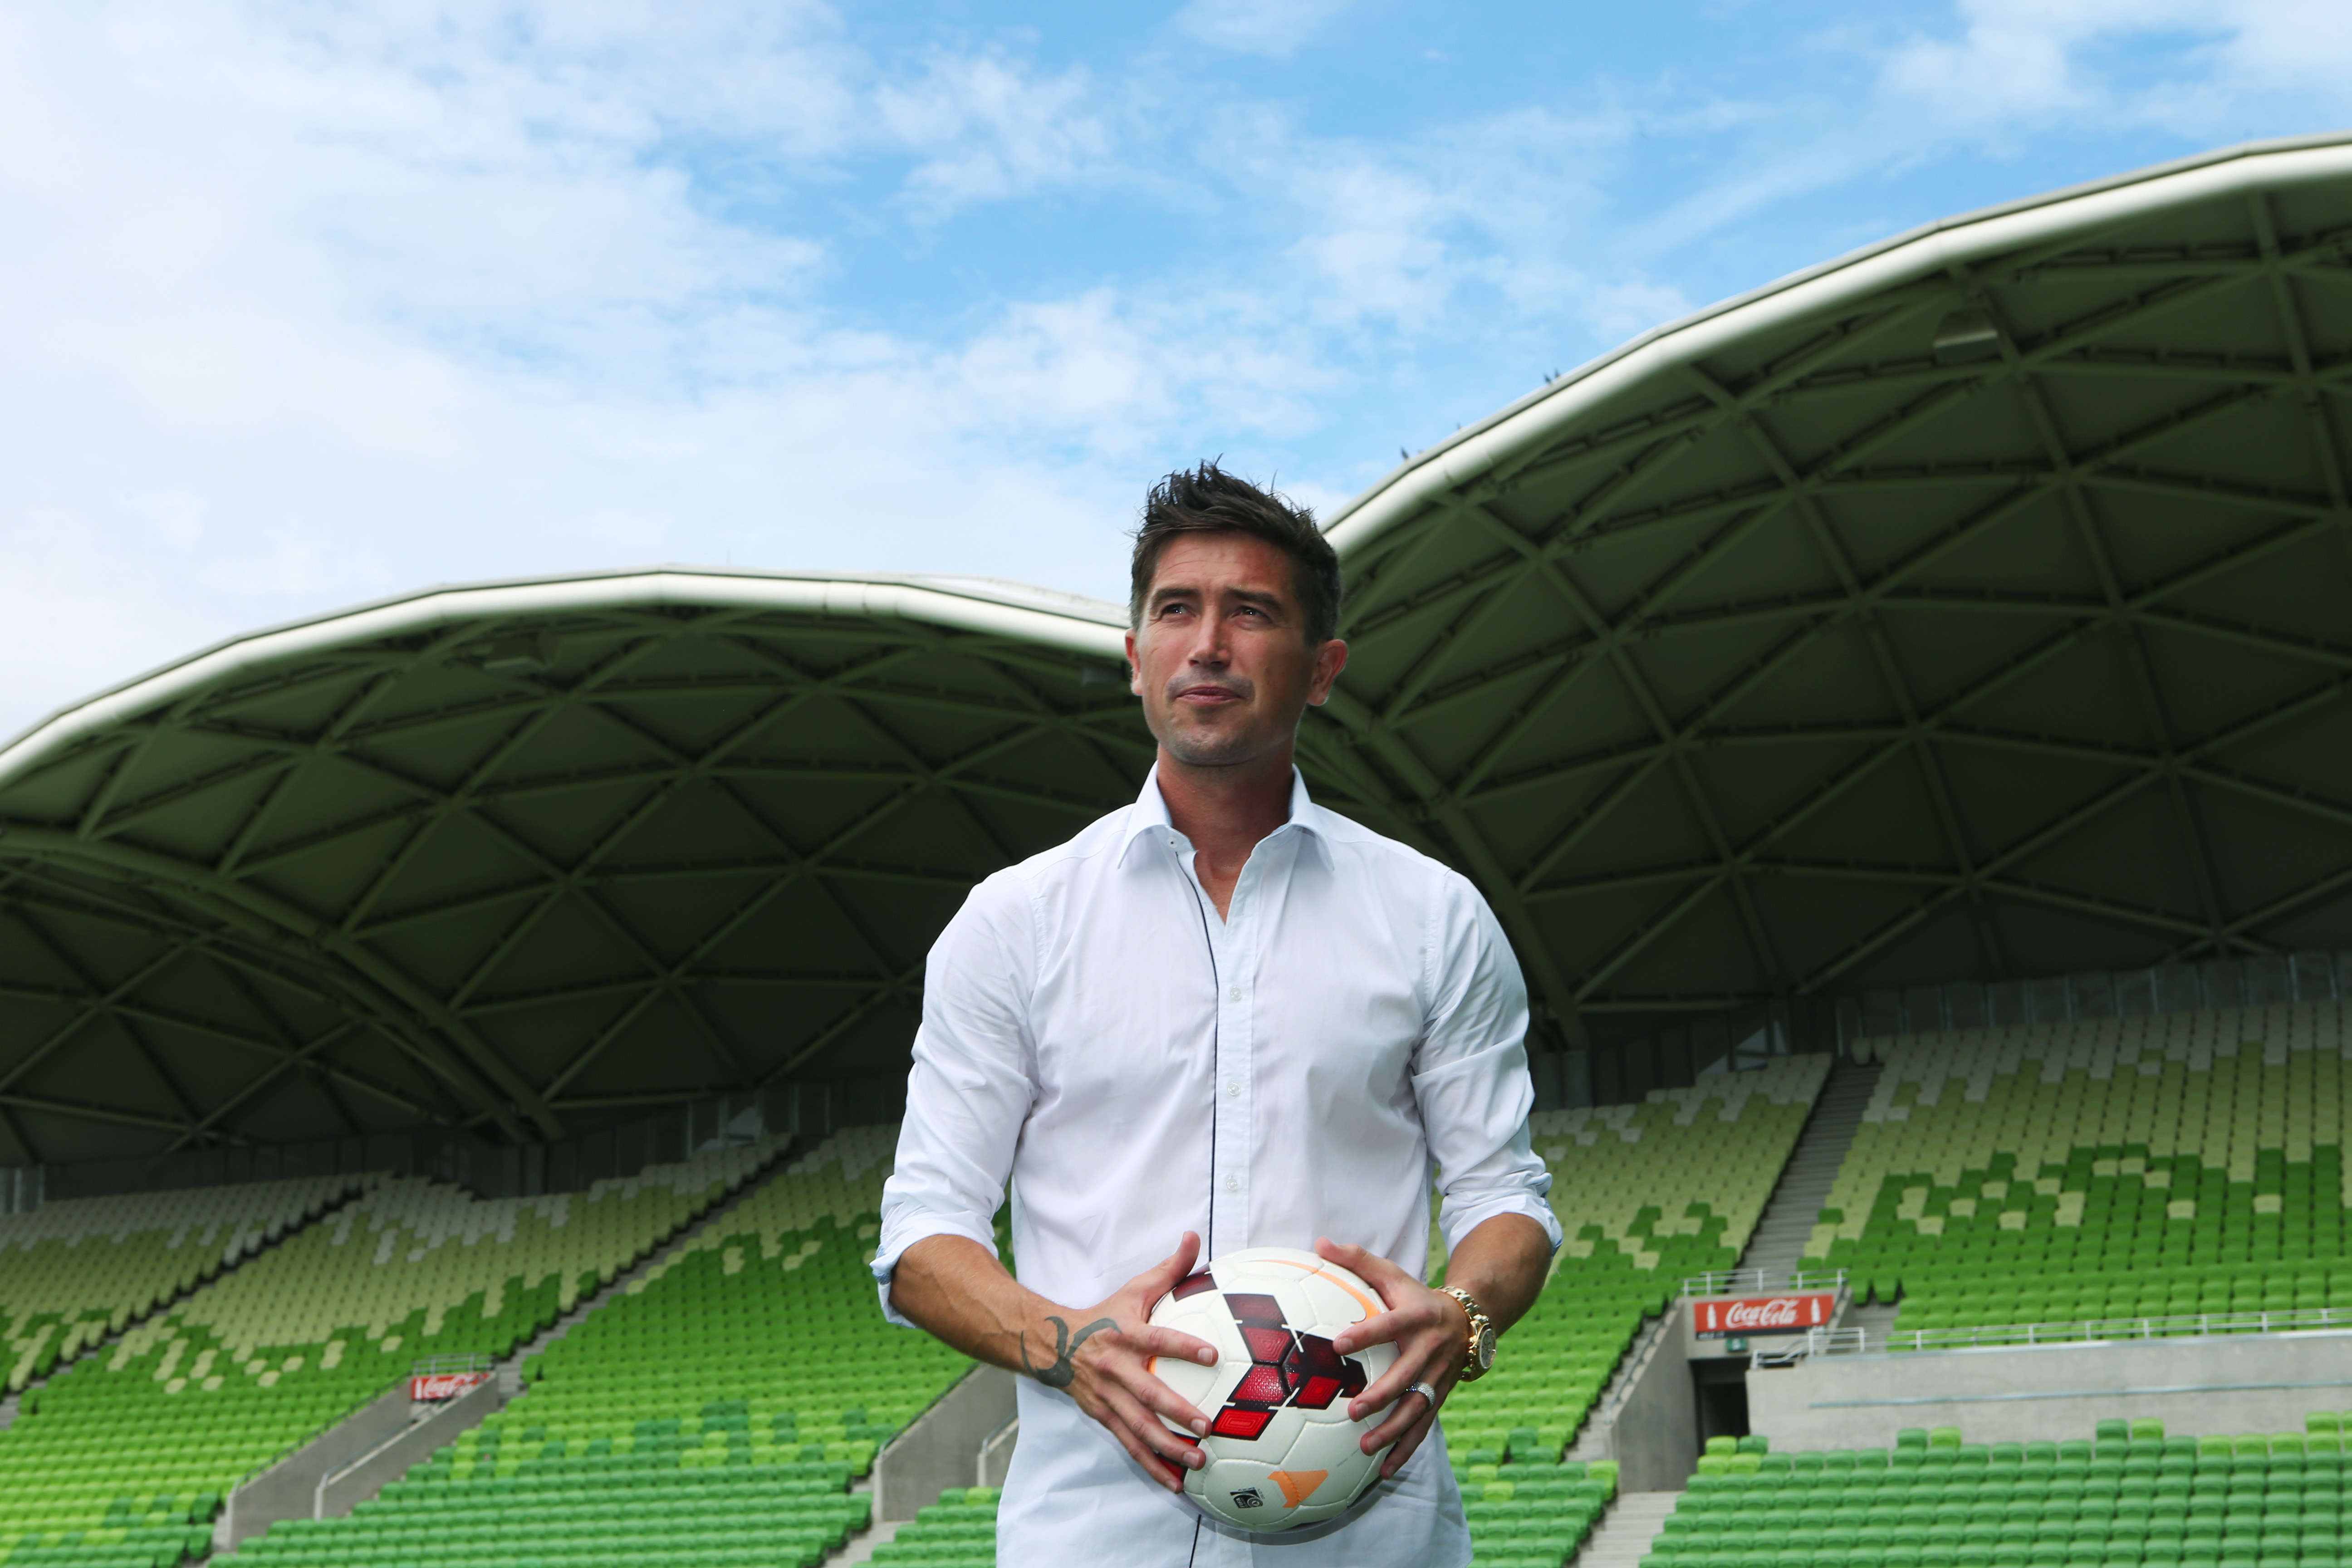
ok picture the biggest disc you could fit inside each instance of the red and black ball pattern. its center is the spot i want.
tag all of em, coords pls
(1287, 1367)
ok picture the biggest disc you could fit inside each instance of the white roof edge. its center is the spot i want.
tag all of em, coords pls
(1039, 615)
(1533, 418)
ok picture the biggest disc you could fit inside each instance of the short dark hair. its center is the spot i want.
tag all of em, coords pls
(1207, 499)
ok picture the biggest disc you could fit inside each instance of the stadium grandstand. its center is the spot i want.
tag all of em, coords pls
(450, 1049)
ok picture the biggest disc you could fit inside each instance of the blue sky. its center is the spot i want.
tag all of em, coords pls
(305, 305)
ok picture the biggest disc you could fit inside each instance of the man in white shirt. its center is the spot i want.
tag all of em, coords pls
(1221, 1018)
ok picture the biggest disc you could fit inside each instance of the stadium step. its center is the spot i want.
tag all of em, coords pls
(1624, 1536)
(1778, 1248)
(861, 1547)
(1597, 1439)
(15, 1401)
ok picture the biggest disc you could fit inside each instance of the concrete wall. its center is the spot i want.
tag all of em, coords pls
(1655, 1437)
(942, 1449)
(287, 1488)
(2228, 1384)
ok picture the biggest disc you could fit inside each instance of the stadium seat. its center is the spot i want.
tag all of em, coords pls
(74, 1271)
(1649, 1195)
(2183, 1166)
(2131, 1499)
(150, 1436)
(720, 1405)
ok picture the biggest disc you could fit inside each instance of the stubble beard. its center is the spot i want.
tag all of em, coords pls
(1221, 744)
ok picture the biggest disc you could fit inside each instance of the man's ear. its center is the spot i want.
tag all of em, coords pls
(1134, 668)
(1330, 660)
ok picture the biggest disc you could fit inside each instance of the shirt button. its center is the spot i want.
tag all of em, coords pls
(1233, 1183)
(1232, 1089)
(1235, 995)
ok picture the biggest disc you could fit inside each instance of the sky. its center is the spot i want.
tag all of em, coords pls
(303, 305)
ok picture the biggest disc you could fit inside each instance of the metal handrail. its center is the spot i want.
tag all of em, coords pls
(442, 1365)
(1756, 1281)
(2097, 1331)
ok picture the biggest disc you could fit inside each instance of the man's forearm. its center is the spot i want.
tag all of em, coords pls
(956, 1290)
(1502, 1263)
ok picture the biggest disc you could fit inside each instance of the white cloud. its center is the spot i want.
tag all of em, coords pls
(306, 310)
(306, 305)
(1275, 29)
(2023, 63)
(987, 128)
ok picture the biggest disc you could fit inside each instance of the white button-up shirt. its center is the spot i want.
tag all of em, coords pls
(1139, 1067)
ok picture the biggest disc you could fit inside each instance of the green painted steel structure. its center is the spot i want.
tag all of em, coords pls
(1978, 605)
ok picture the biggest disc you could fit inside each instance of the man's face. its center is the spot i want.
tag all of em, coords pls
(1221, 660)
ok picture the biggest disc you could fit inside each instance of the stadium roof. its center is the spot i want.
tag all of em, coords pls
(1975, 607)
(511, 855)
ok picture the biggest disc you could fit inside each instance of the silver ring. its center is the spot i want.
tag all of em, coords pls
(1425, 1391)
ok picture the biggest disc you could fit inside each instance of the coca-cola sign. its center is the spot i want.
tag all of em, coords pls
(441, 1386)
(1754, 1315)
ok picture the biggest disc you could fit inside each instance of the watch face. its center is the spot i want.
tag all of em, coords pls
(1487, 1347)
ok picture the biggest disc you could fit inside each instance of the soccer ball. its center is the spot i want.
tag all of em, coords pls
(1282, 1452)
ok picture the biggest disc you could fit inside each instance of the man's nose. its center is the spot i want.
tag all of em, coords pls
(1208, 642)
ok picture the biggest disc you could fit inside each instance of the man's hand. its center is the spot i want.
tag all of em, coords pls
(1431, 1332)
(1101, 1356)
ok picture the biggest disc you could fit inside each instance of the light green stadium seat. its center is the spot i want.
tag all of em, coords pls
(247, 1367)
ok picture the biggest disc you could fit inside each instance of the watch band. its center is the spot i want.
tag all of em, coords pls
(1478, 1352)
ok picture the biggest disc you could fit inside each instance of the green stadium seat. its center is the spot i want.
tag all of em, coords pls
(2147, 1501)
(115, 1458)
(2181, 1168)
(1653, 1193)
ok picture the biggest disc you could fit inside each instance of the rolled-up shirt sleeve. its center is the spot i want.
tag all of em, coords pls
(1471, 1079)
(969, 1088)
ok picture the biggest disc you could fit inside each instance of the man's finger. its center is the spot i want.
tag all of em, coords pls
(1139, 1428)
(1381, 1328)
(1411, 1410)
(1417, 1361)
(1149, 1391)
(1368, 1265)
(1165, 1275)
(1166, 1472)
(1172, 1343)
(1409, 1444)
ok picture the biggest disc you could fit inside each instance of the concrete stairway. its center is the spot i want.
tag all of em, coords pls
(1778, 1246)
(1597, 1438)
(1623, 1535)
(859, 1548)
(342, 1482)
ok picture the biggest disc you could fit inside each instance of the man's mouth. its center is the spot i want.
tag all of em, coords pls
(1208, 696)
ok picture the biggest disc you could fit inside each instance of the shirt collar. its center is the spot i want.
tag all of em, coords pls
(1149, 814)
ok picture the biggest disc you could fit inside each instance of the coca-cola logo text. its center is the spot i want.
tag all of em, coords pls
(1764, 1314)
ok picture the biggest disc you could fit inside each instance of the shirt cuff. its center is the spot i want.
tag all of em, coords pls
(903, 1235)
(1457, 1218)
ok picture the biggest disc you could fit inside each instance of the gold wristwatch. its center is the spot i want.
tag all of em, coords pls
(1479, 1354)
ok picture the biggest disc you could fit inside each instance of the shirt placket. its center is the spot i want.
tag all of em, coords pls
(1235, 942)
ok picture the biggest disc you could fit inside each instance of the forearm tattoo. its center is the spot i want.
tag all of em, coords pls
(1058, 1373)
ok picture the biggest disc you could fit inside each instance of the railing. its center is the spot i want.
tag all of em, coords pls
(1757, 1282)
(445, 1365)
(2101, 1330)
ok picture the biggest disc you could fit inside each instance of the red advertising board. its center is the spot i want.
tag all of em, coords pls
(444, 1384)
(1754, 1315)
